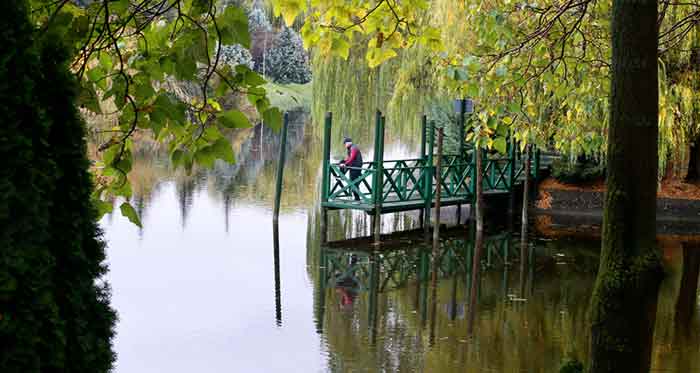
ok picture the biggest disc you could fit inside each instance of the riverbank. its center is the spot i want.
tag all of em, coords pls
(581, 206)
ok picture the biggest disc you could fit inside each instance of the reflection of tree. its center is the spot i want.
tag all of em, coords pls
(688, 291)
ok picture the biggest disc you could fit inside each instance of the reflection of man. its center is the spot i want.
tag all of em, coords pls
(354, 163)
(347, 285)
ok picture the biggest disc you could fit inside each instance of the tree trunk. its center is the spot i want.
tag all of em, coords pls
(623, 305)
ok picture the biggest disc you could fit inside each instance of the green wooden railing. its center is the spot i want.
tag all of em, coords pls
(411, 183)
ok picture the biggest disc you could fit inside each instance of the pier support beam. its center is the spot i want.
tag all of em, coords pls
(428, 182)
(378, 181)
(325, 183)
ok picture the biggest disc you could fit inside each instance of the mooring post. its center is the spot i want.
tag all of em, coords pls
(438, 192)
(325, 183)
(428, 177)
(424, 128)
(378, 187)
(511, 173)
(461, 123)
(276, 256)
(280, 168)
(436, 226)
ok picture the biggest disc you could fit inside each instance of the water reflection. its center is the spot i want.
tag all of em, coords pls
(197, 289)
(480, 318)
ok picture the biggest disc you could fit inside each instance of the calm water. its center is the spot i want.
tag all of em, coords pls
(202, 288)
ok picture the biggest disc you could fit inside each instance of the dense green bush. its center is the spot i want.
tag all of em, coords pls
(54, 314)
(287, 61)
(234, 55)
(582, 171)
(75, 238)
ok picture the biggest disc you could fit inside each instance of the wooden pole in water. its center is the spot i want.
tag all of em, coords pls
(436, 233)
(378, 187)
(280, 168)
(428, 182)
(424, 128)
(438, 192)
(526, 202)
(276, 255)
(325, 183)
(460, 152)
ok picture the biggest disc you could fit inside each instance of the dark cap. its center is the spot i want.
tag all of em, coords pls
(347, 140)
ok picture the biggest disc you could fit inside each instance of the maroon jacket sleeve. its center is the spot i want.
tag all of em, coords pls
(351, 157)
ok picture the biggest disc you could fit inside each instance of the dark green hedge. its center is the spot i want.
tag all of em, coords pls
(54, 308)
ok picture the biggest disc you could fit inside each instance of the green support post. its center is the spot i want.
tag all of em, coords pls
(472, 178)
(280, 168)
(424, 128)
(428, 178)
(325, 183)
(378, 181)
(511, 162)
(461, 155)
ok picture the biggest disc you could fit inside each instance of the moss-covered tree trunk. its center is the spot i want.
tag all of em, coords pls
(623, 308)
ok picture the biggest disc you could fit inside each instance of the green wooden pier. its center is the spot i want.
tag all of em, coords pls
(387, 186)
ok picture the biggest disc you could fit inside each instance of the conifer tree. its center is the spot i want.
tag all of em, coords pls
(75, 238)
(54, 306)
(287, 60)
(31, 332)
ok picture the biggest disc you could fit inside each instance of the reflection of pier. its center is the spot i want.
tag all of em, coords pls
(404, 261)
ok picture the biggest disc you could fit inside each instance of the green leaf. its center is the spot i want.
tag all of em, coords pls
(340, 47)
(234, 119)
(222, 150)
(102, 207)
(233, 26)
(129, 212)
(88, 99)
(273, 118)
(205, 157)
(499, 144)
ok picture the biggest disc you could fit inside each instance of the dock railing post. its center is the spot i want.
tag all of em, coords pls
(511, 172)
(461, 123)
(280, 168)
(378, 182)
(436, 228)
(428, 177)
(325, 183)
(424, 128)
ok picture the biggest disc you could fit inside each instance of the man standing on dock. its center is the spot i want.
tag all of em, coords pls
(353, 162)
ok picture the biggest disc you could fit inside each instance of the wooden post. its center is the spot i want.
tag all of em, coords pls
(511, 173)
(378, 187)
(325, 183)
(276, 256)
(436, 232)
(460, 153)
(280, 168)
(428, 178)
(424, 128)
(526, 202)
(438, 192)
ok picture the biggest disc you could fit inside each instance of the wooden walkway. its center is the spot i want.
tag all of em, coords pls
(387, 186)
